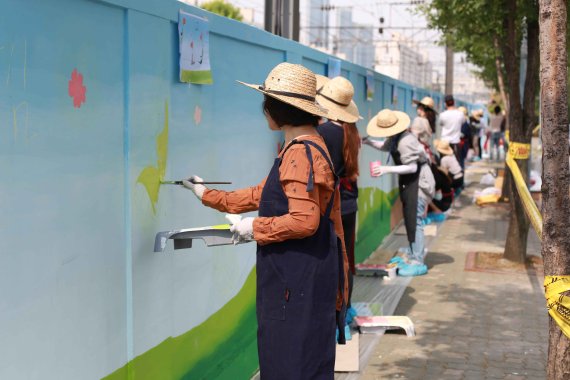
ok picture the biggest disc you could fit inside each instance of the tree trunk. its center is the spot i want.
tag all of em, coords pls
(500, 76)
(555, 168)
(516, 243)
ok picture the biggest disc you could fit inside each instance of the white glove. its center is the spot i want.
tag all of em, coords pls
(243, 230)
(379, 170)
(197, 189)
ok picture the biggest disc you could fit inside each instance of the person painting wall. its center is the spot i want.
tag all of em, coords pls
(415, 180)
(301, 260)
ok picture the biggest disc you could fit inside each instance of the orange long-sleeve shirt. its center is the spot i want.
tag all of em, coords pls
(305, 208)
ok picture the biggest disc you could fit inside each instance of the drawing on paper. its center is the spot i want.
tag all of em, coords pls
(194, 48)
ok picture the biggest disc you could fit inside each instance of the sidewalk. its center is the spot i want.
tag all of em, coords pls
(469, 325)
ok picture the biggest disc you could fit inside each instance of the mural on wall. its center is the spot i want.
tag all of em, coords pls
(369, 85)
(222, 347)
(76, 89)
(124, 312)
(194, 46)
(374, 209)
(151, 176)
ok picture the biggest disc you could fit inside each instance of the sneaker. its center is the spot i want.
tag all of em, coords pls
(412, 270)
(399, 261)
(350, 314)
(347, 334)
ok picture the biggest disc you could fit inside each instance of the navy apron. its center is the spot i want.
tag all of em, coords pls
(297, 283)
(409, 187)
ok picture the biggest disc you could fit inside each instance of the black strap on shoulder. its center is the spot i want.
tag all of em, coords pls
(311, 180)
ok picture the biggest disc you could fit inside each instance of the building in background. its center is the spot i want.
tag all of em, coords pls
(315, 24)
(399, 58)
(352, 41)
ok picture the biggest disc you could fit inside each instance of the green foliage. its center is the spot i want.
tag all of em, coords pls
(223, 9)
(469, 26)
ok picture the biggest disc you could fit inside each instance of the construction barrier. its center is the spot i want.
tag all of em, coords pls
(528, 203)
(558, 305)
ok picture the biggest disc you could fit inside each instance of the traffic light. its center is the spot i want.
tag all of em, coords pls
(381, 28)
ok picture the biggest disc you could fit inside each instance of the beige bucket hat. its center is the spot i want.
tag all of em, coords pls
(336, 96)
(292, 84)
(443, 147)
(388, 123)
(426, 102)
(477, 114)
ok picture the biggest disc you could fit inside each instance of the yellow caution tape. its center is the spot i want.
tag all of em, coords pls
(519, 151)
(558, 305)
(528, 203)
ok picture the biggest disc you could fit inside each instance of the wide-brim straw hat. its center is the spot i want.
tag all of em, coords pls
(292, 84)
(477, 114)
(426, 102)
(336, 96)
(388, 123)
(443, 147)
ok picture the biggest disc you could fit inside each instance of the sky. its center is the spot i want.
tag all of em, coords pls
(399, 16)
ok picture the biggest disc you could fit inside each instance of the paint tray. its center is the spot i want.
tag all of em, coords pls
(379, 324)
(380, 270)
(211, 235)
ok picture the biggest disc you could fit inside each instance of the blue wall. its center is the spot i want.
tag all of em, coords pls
(82, 291)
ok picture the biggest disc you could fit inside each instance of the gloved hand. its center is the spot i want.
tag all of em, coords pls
(243, 230)
(197, 189)
(377, 171)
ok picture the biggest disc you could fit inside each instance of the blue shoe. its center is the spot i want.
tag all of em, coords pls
(347, 333)
(411, 270)
(396, 260)
(350, 314)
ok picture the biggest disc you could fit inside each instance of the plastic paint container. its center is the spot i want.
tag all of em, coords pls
(374, 164)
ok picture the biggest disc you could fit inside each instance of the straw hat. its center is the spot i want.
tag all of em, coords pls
(292, 84)
(442, 146)
(336, 96)
(477, 114)
(464, 110)
(388, 123)
(426, 102)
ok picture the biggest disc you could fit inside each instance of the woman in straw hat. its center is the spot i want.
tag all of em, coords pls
(301, 261)
(343, 143)
(449, 162)
(416, 182)
(423, 125)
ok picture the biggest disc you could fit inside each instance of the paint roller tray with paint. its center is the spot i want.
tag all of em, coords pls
(211, 235)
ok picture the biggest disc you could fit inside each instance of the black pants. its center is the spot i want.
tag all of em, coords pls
(349, 226)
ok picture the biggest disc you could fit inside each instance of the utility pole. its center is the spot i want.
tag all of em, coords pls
(282, 18)
(448, 70)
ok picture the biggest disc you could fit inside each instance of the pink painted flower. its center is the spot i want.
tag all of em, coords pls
(76, 89)
(183, 21)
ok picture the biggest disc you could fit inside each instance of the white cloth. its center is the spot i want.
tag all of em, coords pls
(450, 163)
(451, 122)
(421, 129)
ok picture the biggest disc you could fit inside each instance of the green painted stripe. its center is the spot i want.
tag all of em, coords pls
(222, 347)
(374, 210)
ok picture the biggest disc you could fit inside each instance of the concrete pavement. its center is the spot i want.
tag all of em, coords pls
(469, 325)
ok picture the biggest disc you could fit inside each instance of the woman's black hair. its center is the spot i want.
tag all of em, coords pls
(285, 114)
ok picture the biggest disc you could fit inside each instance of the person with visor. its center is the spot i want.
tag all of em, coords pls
(343, 143)
(301, 261)
(415, 180)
